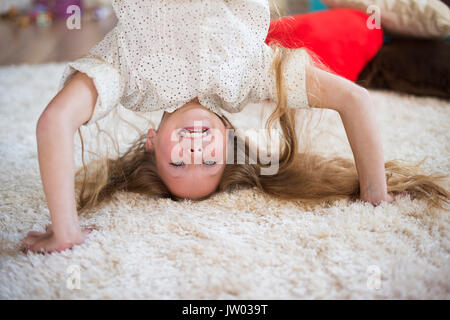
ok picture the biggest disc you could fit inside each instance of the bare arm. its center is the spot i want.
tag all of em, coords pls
(355, 107)
(55, 130)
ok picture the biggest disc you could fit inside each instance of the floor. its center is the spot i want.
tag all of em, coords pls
(235, 245)
(35, 45)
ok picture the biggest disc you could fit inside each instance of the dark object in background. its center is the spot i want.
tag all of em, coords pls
(415, 66)
(57, 8)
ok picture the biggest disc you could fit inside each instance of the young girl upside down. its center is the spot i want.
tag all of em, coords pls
(193, 61)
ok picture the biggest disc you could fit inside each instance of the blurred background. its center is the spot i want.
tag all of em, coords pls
(35, 31)
(413, 57)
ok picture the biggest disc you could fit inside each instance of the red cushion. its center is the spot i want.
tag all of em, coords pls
(339, 37)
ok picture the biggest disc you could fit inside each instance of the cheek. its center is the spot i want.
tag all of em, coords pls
(171, 151)
(167, 145)
(216, 149)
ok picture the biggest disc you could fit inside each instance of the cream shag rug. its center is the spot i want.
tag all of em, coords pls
(239, 245)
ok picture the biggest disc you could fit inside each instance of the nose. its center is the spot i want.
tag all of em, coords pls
(196, 154)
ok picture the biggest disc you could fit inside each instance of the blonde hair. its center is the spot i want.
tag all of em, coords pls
(302, 175)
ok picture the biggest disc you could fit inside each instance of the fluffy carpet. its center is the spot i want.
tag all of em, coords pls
(236, 245)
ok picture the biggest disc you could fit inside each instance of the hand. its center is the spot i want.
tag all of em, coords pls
(48, 242)
(376, 199)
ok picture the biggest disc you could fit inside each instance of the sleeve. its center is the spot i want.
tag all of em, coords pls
(294, 72)
(101, 65)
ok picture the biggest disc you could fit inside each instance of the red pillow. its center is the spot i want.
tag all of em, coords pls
(339, 37)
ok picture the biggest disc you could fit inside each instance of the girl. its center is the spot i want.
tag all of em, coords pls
(194, 60)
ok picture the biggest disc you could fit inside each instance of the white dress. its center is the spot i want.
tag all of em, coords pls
(164, 53)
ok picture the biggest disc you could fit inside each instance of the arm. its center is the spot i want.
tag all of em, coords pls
(354, 105)
(72, 107)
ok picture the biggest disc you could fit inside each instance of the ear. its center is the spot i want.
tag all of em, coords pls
(150, 143)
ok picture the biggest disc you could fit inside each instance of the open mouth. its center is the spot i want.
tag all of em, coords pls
(194, 132)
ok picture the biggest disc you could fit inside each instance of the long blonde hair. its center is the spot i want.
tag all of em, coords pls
(302, 176)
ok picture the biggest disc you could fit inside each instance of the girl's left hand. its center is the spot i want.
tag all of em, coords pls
(375, 199)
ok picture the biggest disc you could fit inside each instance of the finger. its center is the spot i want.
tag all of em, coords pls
(40, 246)
(24, 249)
(35, 234)
(30, 240)
(86, 233)
(390, 198)
(49, 228)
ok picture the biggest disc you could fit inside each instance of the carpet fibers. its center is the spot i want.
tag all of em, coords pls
(236, 245)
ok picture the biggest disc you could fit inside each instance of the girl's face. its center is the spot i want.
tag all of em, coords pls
(190, 150)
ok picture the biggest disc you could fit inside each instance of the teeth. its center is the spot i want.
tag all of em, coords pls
(194, 134)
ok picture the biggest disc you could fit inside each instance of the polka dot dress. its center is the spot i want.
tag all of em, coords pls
(164, 53)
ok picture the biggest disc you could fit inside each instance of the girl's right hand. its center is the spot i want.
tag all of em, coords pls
(46, 242)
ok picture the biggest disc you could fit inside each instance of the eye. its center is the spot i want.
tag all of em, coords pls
(177, 163)
(210, 163)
